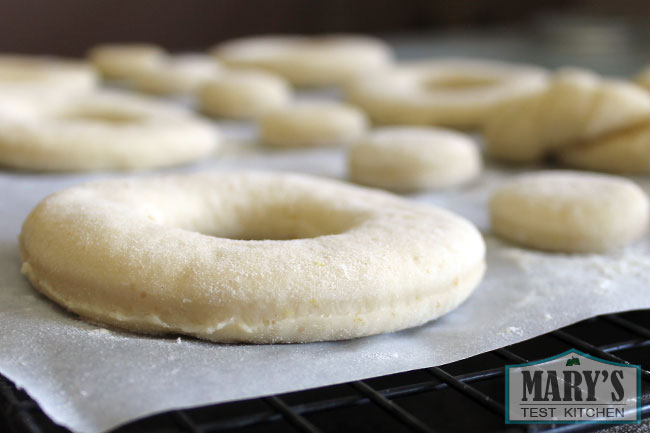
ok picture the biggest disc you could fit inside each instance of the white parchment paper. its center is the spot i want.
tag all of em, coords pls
(91, 379)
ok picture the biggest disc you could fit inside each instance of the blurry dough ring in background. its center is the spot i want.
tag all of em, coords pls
(177, 75)
(448, 92)
(312, 123)
(122, 61)
(406, 159)
(573, 212)
(243, 94)
(346, 261)
(308, 61)
(44, 75)
(575, 118)
(100, 131)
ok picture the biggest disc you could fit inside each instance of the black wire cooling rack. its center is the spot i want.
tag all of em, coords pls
(466, 395)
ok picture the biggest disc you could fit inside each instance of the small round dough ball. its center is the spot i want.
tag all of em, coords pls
(407, 159)
(122, 61)
(568, 211)
(243, 94)
(178, 75)
(312, 123)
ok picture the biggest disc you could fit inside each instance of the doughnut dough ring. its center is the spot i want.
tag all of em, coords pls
(308, 61)
(408, 159)
(41, 75)
(365, 262)
(572, 212)
(579, 119)
(457, 93)
(243, 94)
(312, 124)
(100, 131)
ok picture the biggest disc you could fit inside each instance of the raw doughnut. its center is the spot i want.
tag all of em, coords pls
(407, 159)
(243, 94)
(449, 92)
(122, 61)
(100, 131)
(38, 74)
(627, 151)
(566, 211)
(312, 123)
(253, 257)
(579, 119)
(308, 61)
(177, 75)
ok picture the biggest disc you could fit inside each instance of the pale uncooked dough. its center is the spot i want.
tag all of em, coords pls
(308, 61)
(568, 211)
(456, 93)
(39, 75)
(176, 75)
(578, 118)
(243, 94)
(254, 257)
(100, 130)
(122, 61)
(406, 159)
(627, 151)
(312, 123)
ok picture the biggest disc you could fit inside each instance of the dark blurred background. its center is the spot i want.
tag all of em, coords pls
(70, 27)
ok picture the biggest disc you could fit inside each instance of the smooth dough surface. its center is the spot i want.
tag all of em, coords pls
(41, 75)
(308, 61)
(123, 61)
(568, 211)
(406, 159)
(243, 94)
(250, 257)
(449, 92)
(312, 123)
(100, 130)
(176, 75)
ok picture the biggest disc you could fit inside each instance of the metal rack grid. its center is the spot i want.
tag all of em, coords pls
(465, 395)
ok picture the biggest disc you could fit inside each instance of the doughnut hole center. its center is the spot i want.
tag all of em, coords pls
(458, 83)
(285, 223)
(303, 219)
